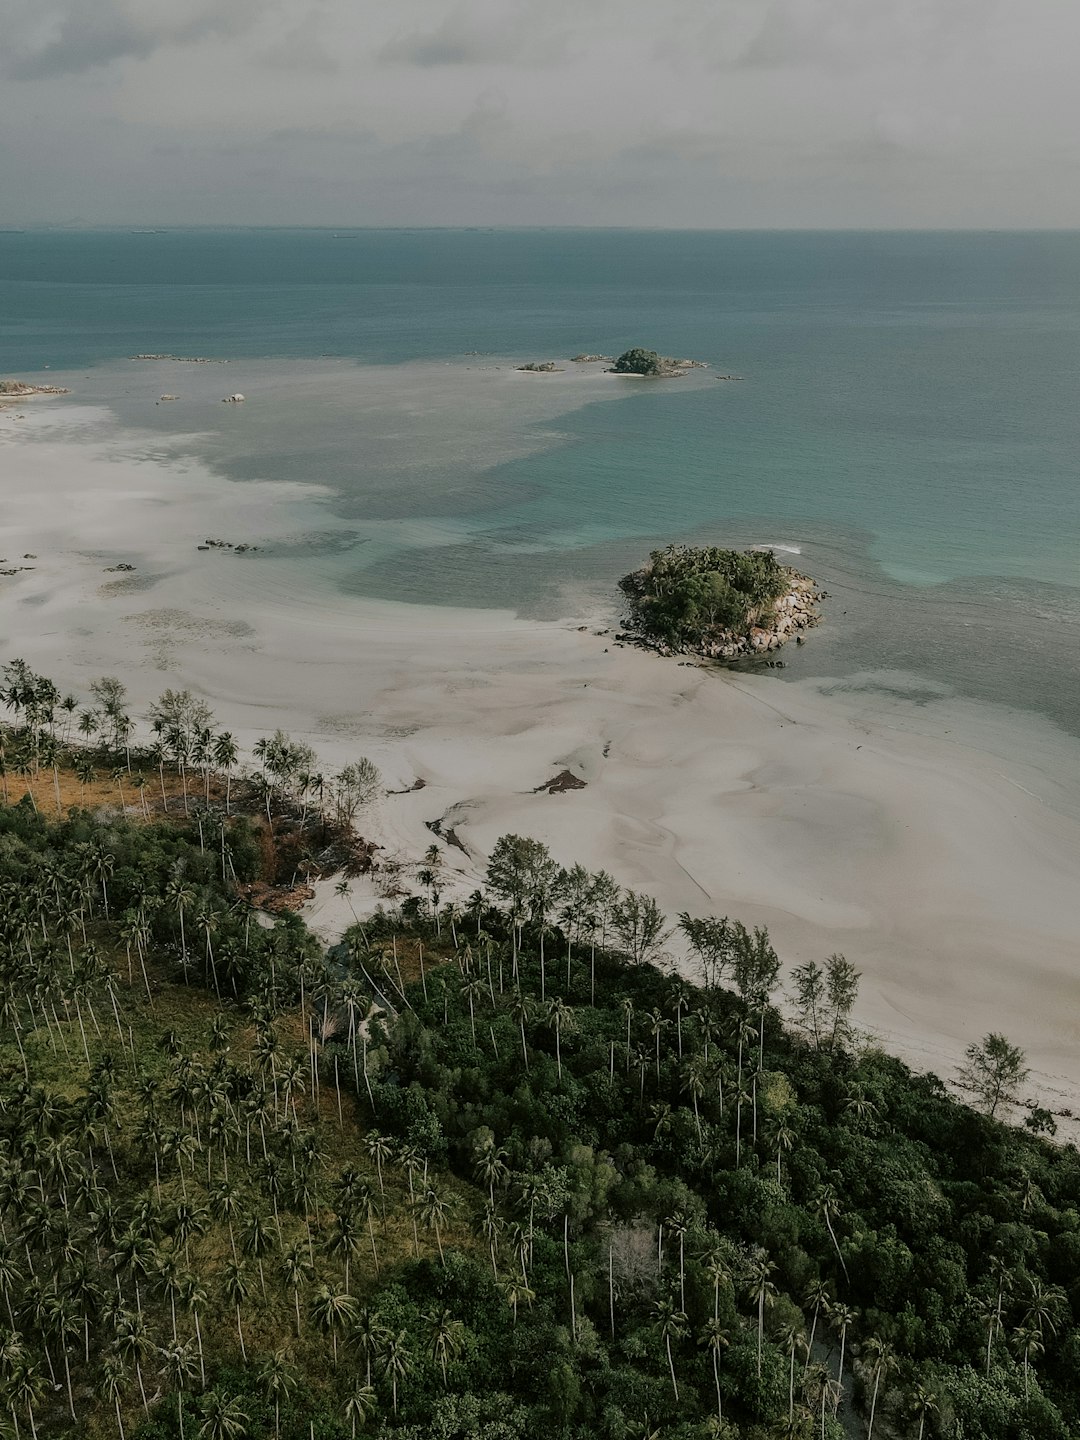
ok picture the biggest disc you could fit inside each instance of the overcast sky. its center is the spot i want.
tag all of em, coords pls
(518, 112)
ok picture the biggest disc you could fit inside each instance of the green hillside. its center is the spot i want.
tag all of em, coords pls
(483, 1171)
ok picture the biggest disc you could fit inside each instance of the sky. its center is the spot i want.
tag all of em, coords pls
(670, 113)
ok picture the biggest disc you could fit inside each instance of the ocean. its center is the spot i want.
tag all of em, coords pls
(906, 423)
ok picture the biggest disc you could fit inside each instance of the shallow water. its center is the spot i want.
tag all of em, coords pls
(907, 417)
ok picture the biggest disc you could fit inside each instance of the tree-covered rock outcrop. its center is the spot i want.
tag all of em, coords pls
(638, 362)
(717, 601)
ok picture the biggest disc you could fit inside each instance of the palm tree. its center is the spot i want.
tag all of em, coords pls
(332, 1313)
(1030, 1341)
(924, 1402)
(193, 1296)
(396, 1361)
(295, 1272)
(516, 1289)
(490, 1167)
(842, 1317)
(182, 897)
(760, 1289)
(558, 1017)
(818, 1298)
(132, 1342)
(519, 1007)
(829, 1208)
(670, 1324)
(657, 1025)
(360, 1405)
(792, 1338)
(344, 1241)
(433, 1211)
(369, 1334)
(1045, 1305)
(225, 755)
(678, 1224)
(472, 987)
(207, 921)
(256, 1239)
(111, 1386)
(224, 1419)
(445, 1338)
(237, 1287)
(278, 1382)
(784, 1138)
(717, 1339)
(179, 1365)
(882, 1361)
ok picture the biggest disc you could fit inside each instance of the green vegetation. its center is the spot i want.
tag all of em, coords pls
(639, 362)
(685, 595)
(482, 1170)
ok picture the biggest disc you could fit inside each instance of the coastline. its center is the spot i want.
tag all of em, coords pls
(942, 872)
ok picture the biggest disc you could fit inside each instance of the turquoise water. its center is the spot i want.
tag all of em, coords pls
(908, 416)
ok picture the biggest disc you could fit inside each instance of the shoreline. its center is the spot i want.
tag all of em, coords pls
(942, 872)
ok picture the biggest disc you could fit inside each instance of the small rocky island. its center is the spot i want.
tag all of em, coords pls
(652, 365)
(19, 390)
(719, 604)
(637, 361)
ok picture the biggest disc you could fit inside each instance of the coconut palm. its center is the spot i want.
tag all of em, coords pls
(817, 1298)
(490, 1167)
(113, 1379)
(882, 1362)
(670, 1324)
(716, 1339)
(277, 1381)
(760, 1289)
(332, 1311)
(360, 1405)
(224, 1419)
(396, 1360)
(792, 1340)
(179, 1364)
(559, 1018)
(237, 1288)
(445, 1338)
(828, 1207)
(516, 1289)
(1044, 1306)
(924, 1402)
(522, 1013)
(841, 1317)
(225, 755)
(433, 1212)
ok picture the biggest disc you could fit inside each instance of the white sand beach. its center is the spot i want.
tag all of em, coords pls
(843, 821)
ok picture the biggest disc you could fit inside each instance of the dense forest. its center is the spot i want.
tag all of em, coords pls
(483, 1169)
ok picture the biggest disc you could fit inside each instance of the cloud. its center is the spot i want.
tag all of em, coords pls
(738, 112)
(72, 36)
(509, 33)
(854, 34)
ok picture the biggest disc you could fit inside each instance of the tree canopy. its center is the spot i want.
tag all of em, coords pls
(684, 594)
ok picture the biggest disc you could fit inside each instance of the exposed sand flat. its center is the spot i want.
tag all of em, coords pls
(848, 821)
